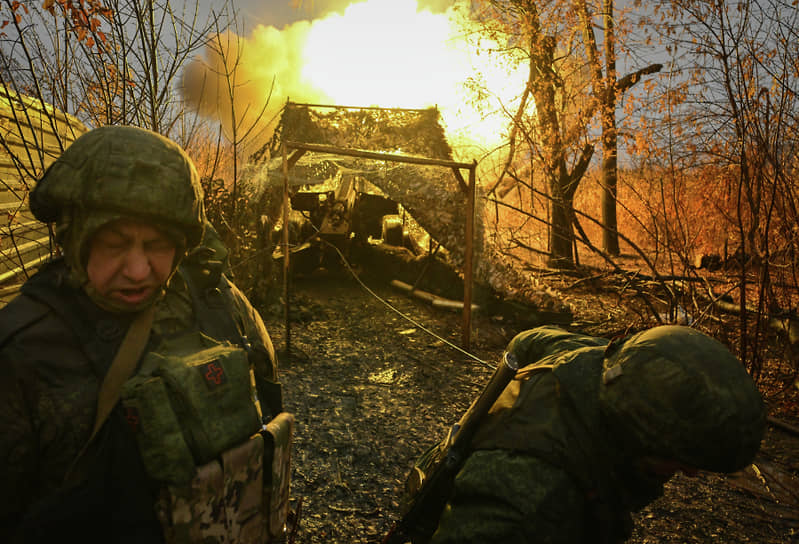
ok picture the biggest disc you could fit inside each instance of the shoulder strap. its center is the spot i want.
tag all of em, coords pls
(123, 365)
(121, 368)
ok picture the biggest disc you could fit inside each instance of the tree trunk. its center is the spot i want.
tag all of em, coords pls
(610, 236)
(561, 233)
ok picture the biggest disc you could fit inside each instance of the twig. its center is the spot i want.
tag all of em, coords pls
(583, 280)
(784, 425)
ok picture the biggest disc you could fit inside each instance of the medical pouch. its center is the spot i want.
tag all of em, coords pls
(164, 451)
(195, 388)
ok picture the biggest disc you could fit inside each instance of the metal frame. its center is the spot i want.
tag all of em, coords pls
(300, 148)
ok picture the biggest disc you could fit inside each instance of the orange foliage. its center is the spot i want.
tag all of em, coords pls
(688, 215)
(86, 17)
(15, 5)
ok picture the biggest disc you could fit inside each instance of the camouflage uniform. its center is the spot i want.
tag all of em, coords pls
(57, 338)
(558, 458)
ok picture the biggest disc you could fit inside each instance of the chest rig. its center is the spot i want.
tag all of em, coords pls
(210, 432)
(219, 461)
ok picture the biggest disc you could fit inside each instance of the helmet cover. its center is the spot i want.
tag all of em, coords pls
(121, 171)
(675, 393)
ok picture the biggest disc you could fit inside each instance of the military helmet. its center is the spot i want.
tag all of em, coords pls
(675, 393)
(123, 171)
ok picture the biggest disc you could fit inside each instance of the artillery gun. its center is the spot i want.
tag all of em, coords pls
(329, 217)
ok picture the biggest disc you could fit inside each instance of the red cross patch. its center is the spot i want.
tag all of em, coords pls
(213, 373)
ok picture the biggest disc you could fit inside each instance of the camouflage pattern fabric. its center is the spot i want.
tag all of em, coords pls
(222, 504)
(509, 509)
(555, 459)
(50, 405)
(57, 339)
(192, 399)
(123, 170)
(209, 423)
(243, 499)
(280, 433)
(676, 393)
(119, 172)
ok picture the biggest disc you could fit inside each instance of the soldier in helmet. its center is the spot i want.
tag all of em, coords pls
(138, 383)
(590, 430)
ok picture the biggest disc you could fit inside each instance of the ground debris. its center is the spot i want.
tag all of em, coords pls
(368, 400)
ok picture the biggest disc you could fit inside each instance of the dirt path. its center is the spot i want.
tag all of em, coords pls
(371, 390)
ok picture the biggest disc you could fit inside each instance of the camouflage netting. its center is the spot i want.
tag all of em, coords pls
(411, 132)
(431, 195)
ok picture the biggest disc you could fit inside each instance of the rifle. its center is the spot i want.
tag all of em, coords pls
(420, 519)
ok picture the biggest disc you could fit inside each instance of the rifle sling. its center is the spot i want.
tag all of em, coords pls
(121, 368)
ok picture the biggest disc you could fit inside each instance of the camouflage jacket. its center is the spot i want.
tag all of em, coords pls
(542, 471)
(562, 455)
(55, 347)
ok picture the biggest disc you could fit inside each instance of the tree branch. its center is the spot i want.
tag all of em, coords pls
(631, 79)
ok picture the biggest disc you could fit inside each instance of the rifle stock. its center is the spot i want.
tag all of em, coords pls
(420, 520)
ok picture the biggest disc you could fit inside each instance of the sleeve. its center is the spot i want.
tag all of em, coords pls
(264, 357)
(18, 452)
(533, 345)
(503, 497)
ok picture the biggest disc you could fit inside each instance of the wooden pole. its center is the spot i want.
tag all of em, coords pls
(286, 293)
(340, 107)
(468, 264)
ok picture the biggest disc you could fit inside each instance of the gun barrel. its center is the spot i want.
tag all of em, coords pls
(464, 430)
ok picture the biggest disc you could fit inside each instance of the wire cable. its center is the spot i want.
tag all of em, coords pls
(400, 313)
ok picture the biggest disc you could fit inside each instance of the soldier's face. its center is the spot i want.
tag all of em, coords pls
(129, 261)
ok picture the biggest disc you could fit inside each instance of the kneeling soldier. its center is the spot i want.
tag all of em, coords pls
(586, 433)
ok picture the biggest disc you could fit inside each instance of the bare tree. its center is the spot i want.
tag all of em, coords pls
(241, 121)
(741, 115)
(551, 124)
(65, 66)
(115, 62)
(570, 92)
(606, 88)
(216, 87)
